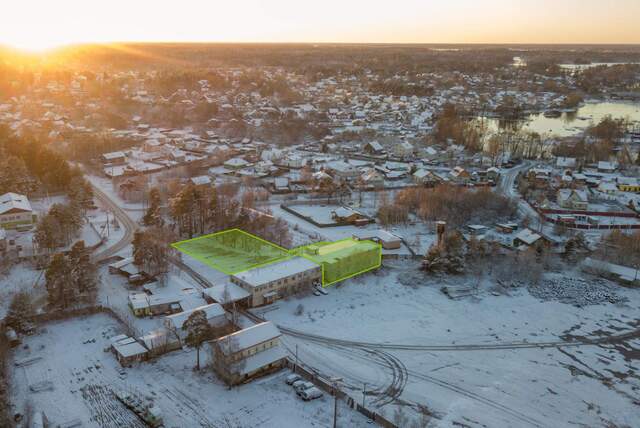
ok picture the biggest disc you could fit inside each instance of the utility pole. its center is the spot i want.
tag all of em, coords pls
(364, 392)
(335, 405)
(295, 367)
(334, 382)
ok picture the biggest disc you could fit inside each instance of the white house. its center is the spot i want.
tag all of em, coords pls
(214, 312)
(248, 353)
(403, 150)
(573, 199)
(15, 211)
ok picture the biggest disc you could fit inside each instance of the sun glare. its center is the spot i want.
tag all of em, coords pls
(35, 45)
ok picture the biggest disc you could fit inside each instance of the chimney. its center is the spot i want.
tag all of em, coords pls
(441, 227)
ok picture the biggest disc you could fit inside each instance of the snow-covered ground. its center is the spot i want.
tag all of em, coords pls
(589, 385)
(21, 277)
(83, 376)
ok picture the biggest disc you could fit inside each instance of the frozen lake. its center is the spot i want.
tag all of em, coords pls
(571, 123)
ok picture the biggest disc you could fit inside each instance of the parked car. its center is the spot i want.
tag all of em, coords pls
(321, 290)
(310, 394)
(297, 383)
(302, 387)
(292, 378)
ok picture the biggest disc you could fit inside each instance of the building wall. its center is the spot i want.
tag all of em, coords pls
(286, 285)
(15, 219)
(224, 369)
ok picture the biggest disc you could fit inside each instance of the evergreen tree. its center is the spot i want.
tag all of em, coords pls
(83, 271)
(20, 310)
(59, 289)
(198, 330)
(153, 216)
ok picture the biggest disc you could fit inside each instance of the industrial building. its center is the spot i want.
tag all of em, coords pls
(268, 283)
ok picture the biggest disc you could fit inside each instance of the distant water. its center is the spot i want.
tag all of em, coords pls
(569, 124)
(593, 64)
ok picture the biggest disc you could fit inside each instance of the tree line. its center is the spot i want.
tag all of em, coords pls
(455, 205)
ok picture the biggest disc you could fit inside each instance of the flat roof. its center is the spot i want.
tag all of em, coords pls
(265, 274)
(235, 293)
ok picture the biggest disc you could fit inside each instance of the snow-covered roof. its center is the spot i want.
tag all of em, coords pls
(128, 347)
(200, 180)
(606, 166)
(344, 212)
(375, 146)
(212, 311)
(564, 162)
(261, 359)
(249, 337)
(113, 155)
(527, 236)
(265, 274)
(379, 234)
(13, 201)
(234, 293)
(236, 162)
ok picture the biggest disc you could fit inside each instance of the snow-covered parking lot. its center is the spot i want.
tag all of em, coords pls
(67, 362)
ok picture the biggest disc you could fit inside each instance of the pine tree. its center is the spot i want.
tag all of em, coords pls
(20, 310)
(83, 271)
(57, 276)
(153, 216)
(198, 330)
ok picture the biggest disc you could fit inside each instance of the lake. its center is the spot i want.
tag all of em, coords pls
(569, 124)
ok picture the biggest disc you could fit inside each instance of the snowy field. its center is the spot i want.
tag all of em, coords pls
(83, 376)
(584, 386)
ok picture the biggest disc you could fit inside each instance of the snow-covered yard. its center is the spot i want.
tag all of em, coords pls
(71, 356)
(589, 385)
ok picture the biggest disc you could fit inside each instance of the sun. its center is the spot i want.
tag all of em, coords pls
(35, 45)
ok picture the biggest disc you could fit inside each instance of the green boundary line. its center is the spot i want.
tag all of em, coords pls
(286, 254)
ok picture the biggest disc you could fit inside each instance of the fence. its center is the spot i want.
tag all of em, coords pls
(287, 207)
(330, 389)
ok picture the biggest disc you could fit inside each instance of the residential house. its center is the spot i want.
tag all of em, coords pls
(371, 179)
(248, 353)
(113, 158)
(573, 199)
(460, 175)
(201, 181)
(236, 163)
(216, 317)
(628, 184)
(128, 350)
(3, 241)
(15, 211)
(142, 304)
(606, 167)
(608, 187)
(280, 185)
(565, 162)
(346, 215)
(374, 148)
(403, 150)
(342, 170)
(386, 239)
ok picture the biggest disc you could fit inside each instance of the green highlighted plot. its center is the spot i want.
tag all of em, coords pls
(232, 251)
(342, 259)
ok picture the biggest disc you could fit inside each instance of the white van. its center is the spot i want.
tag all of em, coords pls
(292, 378)
(302, 387)
(310, 394)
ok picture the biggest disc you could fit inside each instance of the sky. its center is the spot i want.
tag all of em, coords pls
(40, 24)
